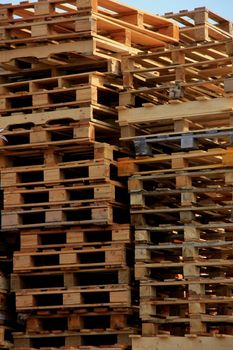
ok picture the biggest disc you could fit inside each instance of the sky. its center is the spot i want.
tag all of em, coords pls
(222, 7)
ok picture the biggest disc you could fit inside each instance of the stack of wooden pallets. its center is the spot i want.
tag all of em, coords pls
(177, 113)
(60, 83)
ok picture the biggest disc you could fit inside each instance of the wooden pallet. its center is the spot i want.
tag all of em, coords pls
(118, 13)
(183, 186)
(185, 297)
(66, 279)
(179, 198)
(213, 296)
(172, 252)
(78, 154)
(61, 339)
(48, 123)
(180, 161)
(97, 35)
(11, 86)
(210, 327)
(170, 197)
(58, 134)
(50, 54)
(182, 290)
(161, 312)
(161, 316)
(183, 141)
(81, 156)
(76, 90)
(169, 270)
(95, 296)
(63, 67)
(180, 74)
(67, 173)
(207, 210)
(101, 213)
(165, 234)
(76, 195)
(76, 27)
(205, 114)
(216, 281)
(207, 213)
(91, 320)
(200, 25)
(70, 259)
(27, 11)
(76, 236)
